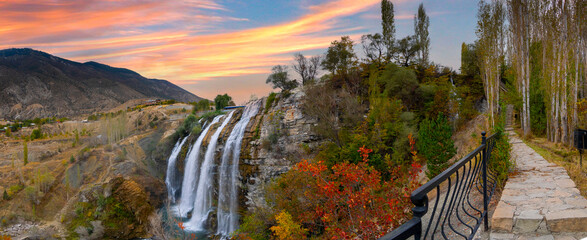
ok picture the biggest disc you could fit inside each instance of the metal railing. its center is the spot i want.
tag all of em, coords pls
(462, 195)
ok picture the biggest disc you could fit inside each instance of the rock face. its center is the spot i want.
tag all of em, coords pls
(277, 139)
(36, 84)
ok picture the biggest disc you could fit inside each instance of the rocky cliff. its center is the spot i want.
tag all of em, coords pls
(280, 137)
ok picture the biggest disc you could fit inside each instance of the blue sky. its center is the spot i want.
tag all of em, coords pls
(215, 47)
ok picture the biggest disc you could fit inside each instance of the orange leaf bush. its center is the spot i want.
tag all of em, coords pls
(349, 201)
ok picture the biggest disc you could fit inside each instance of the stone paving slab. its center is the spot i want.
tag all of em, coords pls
(540, 202)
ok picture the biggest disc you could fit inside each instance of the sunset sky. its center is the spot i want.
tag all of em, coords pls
(214, 47)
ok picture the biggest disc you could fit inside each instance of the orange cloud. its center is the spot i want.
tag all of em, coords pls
(128, 34)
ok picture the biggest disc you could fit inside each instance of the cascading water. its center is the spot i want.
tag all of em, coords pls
(191, 174)
(170, 179)
(228, 174)
(203, 202)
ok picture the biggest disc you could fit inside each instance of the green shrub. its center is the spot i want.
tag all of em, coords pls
(5, 195)
(500, 162)
(196, 130)
(185, 127)
(14, 189)
(36, 134)
(31, 194)
(254, 227)
(209, 116)
(435, 144)
(270, 100)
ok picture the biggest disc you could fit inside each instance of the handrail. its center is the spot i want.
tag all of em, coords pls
(465, 205)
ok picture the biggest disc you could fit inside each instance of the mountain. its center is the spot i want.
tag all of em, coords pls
(37, 84)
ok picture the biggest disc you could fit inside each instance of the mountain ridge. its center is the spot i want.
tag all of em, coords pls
(37, 84)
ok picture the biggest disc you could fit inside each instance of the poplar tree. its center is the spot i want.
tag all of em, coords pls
(490, 47)
(388, 25)
(25, 152)
(421, 24)
(520, 55)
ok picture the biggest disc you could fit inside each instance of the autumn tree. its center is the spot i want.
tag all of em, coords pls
(306, 68)
(340, 57)
(388, 26)
(421, 24)
(340, 202)
(279, 78)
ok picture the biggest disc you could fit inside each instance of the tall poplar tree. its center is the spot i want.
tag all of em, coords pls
(520, 55)
(421, 24)
(490, 47)
(388, 25)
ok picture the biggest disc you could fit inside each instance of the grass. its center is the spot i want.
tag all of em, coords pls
(564, 157)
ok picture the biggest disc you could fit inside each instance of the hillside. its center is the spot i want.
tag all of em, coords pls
(37, 84)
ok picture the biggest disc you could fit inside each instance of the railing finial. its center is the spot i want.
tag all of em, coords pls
(483, 138)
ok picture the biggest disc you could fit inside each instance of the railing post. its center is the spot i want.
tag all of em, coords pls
(419, 210)
(484, 164)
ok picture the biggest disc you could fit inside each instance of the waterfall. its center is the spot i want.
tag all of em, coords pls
(171, 178)
(191, 174)
(203, 203)
(228, 174)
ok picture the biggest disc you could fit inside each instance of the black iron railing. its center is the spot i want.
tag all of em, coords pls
(460, 200)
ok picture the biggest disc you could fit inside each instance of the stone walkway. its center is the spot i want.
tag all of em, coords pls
(539, 202)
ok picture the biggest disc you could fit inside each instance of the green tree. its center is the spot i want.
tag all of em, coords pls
(36, 134)
(421, 24)
(221, 101)
(469, 62)
(435, 144)
(388, 24)
(340, 57)
(279, 78)
(25, 153)
(5, 195)
(490, 51)
(8, 132)
(202, 105)
(406, 50)
(374, 48)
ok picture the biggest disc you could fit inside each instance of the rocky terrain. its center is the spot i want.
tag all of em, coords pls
(36, 84)
(95, 180)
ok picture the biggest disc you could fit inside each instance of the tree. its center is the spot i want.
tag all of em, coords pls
(221, 101)
(374, 48)
(520, 55)
(435, 144)
(340, 57)
(287, 228)
(490, 50)
(306, 68)
(202, 105)
(25, 152)
(406, 50)
(5, 195)
(280, 79)
(388, 25)
(421, 23)
(469, 62)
